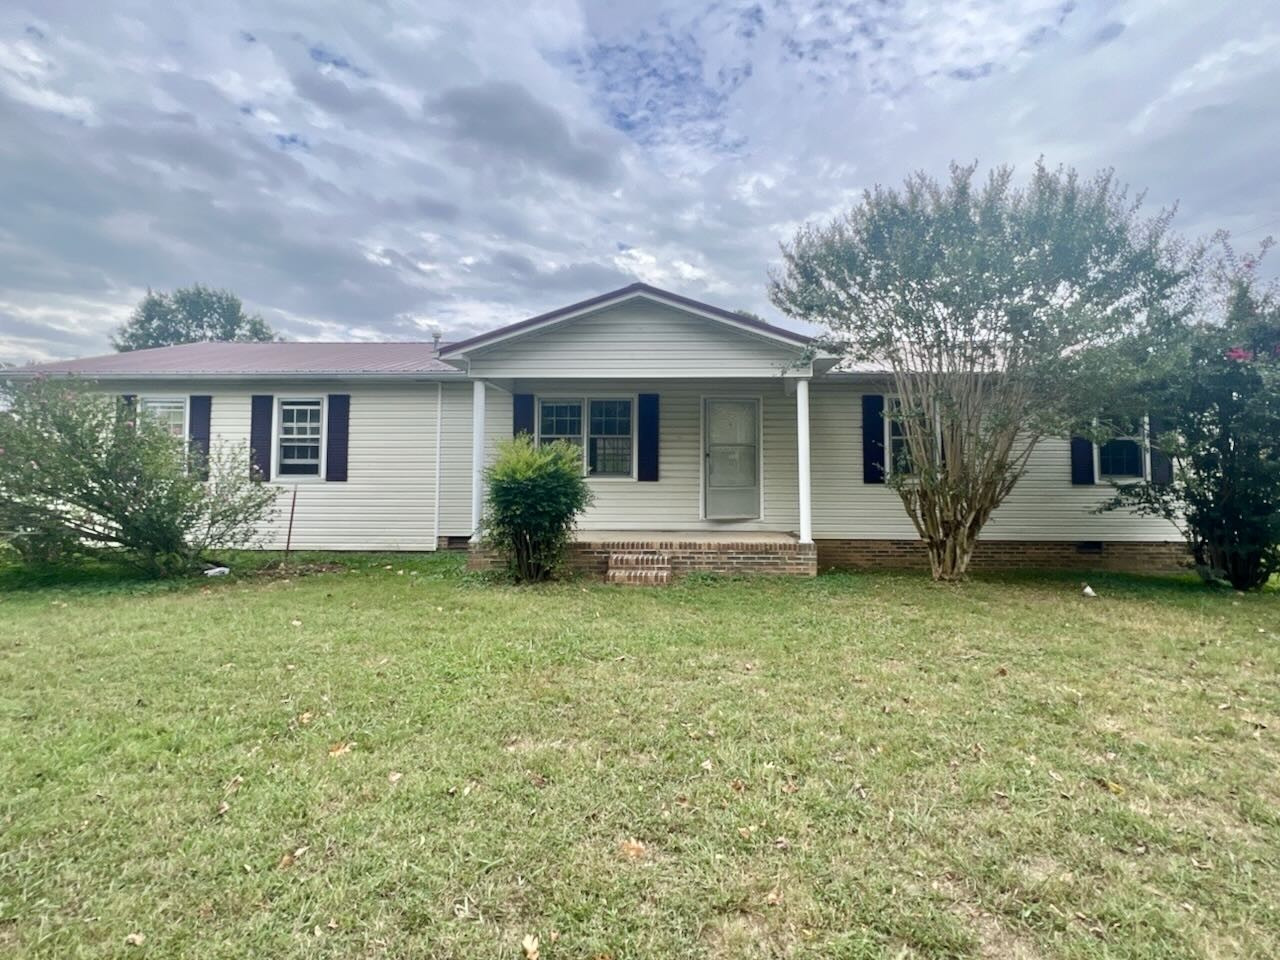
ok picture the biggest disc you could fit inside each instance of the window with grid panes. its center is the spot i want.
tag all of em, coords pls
(301, 430)
(1120, 458)
(609, 438)
(560, 420)
(168, 412)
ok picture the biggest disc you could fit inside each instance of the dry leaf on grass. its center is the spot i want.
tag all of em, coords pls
(289, 859)
(530, 946)
(738, 785)
(295, 623)
(632, 849)
(339, 748)
(394, 777)
(305, 717)
(775, 897)
(135, 939)
(233, 785)
(223, 807)
(706, 765)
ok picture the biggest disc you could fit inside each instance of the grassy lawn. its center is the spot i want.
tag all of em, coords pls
(376, 763)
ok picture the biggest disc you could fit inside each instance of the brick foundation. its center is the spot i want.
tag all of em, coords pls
(781, 558)
(1121, 556)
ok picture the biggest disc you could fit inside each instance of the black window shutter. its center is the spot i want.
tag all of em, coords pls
(199, 409)
(647, 434)
(1161, 464)
(337, 434)
(261, 410)
(872, 438)
(1082, 462)
(522, 407)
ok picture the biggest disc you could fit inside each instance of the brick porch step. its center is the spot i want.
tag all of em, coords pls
(639, 568)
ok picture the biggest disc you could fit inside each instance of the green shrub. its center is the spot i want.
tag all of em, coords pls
(1221, 398)
(81, 473)
(535, 494)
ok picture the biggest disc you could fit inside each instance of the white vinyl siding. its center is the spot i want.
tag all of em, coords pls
(455, 475)
(639, 339)
(387, 503)
(674, 501)
(1043, 506)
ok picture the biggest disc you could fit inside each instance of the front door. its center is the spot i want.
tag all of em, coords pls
(731, 444)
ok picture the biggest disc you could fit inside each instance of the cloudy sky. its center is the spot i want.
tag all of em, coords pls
(376, 169)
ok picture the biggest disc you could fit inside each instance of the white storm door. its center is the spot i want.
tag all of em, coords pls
(731, 444)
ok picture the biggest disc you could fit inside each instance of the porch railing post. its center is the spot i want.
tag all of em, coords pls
(477, 457)
(802, 460)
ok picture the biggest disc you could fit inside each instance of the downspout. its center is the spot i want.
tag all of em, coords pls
(435, 526)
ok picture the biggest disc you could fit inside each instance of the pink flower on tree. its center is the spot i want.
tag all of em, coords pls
(1239, 353)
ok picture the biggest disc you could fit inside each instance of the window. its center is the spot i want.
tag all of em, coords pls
(609, 443)
(300, 438)
(606, 434)
(895, 440)
(169, 412)
(1125, 458)
(1120, 458)
(561, 420)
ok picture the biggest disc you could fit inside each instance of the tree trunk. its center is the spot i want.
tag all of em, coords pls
(949, 556)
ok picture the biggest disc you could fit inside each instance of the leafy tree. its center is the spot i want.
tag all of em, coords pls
(996, 312)
(535, 495)
(1219, 397)
(82, 473)
(189, 315)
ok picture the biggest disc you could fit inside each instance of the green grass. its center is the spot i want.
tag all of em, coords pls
(846, 767)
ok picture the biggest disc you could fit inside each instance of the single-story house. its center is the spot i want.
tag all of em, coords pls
(711, 440)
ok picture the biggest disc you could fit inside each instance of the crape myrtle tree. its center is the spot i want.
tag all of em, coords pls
(1218, 389)
(1000, 314)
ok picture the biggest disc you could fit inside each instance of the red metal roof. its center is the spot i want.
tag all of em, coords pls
(255, 360)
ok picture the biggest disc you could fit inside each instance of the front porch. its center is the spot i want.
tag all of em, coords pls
(657, 557)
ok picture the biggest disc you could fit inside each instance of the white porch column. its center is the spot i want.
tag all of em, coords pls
(477, 457)
(802, 459)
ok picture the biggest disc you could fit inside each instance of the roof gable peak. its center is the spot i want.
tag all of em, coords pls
(632, 291)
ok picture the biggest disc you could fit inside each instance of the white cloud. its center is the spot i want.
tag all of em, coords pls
(364, 170)
(1230, 64)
